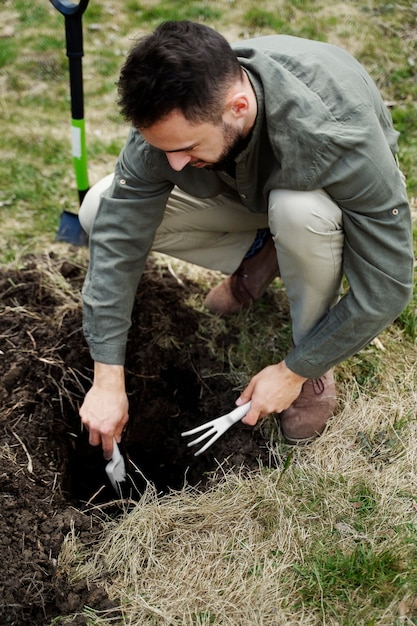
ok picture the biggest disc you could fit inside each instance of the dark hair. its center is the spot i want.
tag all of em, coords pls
(181, 66)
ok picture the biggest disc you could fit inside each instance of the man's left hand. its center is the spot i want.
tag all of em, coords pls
(272, 390)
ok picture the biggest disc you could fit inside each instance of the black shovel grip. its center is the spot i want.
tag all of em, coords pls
(74, 41)
(73, 24)
(70, 8)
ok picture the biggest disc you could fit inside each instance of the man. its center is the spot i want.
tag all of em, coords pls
(274, 157)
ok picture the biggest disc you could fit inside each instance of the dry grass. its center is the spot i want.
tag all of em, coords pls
(247, 551)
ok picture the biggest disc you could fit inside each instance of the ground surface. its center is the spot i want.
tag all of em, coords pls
(50, 478)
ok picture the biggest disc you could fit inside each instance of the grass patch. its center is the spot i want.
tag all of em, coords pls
(320, 537)
(257, 18)
(178, 10)
(34, 73)
(8, 52)
(335, 579)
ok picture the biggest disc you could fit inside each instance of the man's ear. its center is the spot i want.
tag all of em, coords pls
(241, 106)
(238, 105)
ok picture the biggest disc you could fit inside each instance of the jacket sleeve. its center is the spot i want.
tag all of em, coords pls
(378, 252)
(122, 235)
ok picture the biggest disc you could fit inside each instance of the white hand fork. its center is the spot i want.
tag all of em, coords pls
(215, 428)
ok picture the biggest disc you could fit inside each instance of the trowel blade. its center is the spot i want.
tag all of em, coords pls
(116, 470)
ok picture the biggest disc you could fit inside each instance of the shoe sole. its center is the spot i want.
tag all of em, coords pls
(295, 442)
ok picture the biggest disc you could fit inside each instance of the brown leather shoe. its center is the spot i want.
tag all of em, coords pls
(237, 292)
(307, 417)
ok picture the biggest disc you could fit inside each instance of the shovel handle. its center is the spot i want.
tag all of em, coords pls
(73, 13)
(70, 8)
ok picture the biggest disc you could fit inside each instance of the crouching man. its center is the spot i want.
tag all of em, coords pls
(272, 157)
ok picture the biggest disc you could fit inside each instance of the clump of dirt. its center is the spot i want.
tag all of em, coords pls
(51, 480)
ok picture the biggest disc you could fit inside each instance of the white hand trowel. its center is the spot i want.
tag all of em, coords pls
(116, 470)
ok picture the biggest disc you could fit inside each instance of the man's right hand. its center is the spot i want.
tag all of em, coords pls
(105, 408)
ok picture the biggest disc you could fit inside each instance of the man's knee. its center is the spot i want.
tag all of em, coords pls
(302, 218)
(89, 207)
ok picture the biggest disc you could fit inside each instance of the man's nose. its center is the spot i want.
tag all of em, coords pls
(177, 160)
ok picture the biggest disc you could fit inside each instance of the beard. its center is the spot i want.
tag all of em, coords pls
(234, 143)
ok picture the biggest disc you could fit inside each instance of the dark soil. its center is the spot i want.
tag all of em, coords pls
(50, 478)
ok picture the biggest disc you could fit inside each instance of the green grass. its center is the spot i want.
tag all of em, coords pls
(34, 72)
(257, 18)
(8, 52)
(405, 120)
(174, 10)
(352, 559)
(33, 13)
(335, 577)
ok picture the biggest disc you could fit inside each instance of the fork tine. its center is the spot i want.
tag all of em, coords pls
(202, 437)
(198, 429)
(208, 443)
(215, 428)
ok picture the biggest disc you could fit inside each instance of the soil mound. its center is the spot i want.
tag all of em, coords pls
(50, 478)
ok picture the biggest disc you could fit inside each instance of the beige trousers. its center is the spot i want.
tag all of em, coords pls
(217, 232)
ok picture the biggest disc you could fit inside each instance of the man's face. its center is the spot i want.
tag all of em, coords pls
(199, 145)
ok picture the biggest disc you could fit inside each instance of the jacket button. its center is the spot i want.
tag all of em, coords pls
(395, 211)
(243, 196)
(122, 181)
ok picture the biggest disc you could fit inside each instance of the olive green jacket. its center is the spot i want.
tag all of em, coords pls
(321, 124)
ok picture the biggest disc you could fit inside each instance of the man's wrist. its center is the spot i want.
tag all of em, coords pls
(296, 377)
(109, 376)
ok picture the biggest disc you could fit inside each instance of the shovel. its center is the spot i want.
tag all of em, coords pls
(70, 229)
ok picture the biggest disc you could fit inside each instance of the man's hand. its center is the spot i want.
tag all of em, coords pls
(272, 390)
(105, 409)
